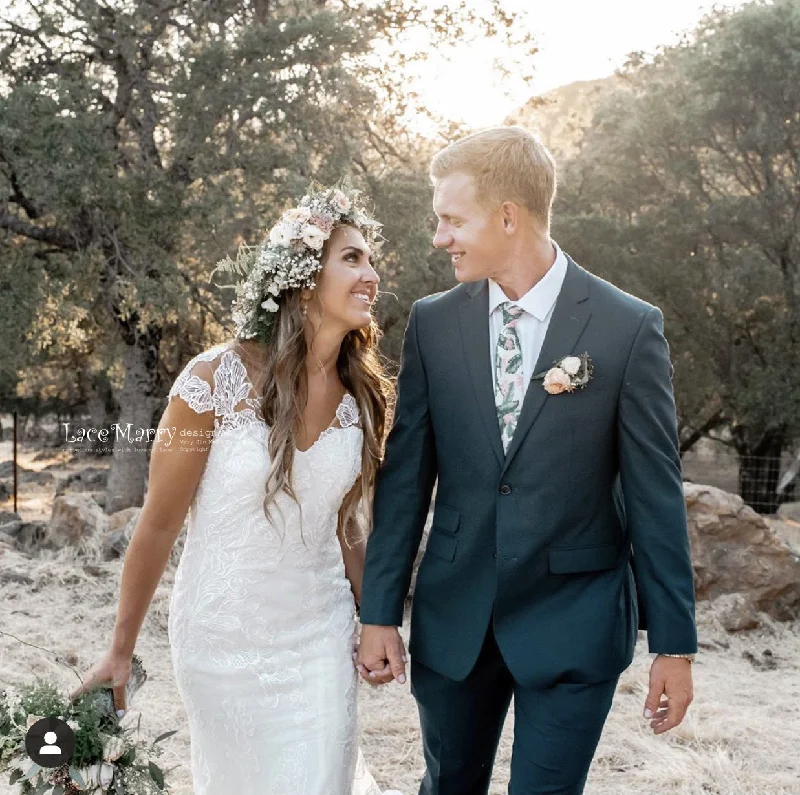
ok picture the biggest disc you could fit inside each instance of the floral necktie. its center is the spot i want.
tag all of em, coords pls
(509, 374)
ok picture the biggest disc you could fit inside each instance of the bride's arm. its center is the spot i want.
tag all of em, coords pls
(354, 549)
(176, 466)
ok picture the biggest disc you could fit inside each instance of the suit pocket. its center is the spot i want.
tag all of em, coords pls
(441, 545)
(446, 518)
(574, 560)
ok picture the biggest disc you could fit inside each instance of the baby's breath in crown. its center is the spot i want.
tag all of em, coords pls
(291, 256)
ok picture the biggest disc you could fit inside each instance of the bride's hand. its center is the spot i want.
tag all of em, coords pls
(114, 671)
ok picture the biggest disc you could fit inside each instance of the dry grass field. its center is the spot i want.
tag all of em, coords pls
(740, 738)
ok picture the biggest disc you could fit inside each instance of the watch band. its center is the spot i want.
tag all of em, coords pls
(689, 657)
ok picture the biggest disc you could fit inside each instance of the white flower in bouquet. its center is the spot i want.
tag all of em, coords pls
(113, 749)
(100, 775)
(106, 775)
(74, 725)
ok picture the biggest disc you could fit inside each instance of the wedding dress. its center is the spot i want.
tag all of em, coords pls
(262, 621)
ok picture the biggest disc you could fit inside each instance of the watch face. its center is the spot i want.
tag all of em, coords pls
(50, 742)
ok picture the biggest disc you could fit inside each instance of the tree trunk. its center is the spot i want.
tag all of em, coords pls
(137, 399)
(759, 472)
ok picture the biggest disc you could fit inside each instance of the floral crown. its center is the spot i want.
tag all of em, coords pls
(290, 257)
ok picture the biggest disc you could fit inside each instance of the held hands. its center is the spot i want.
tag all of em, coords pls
(114, 671)
(381, 655)
(670, 693)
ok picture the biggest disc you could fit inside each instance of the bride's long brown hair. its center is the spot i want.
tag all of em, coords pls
(284, 394)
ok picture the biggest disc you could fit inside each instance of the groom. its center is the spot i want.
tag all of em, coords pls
(550, 494)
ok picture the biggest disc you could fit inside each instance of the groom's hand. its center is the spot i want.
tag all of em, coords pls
(381, 655)
(670, 693)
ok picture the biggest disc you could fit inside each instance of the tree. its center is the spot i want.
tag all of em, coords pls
(687, 191)
(142, 140)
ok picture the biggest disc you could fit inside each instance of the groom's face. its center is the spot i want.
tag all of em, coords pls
(471, 233)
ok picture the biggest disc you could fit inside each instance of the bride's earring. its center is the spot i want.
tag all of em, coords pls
(304, 309)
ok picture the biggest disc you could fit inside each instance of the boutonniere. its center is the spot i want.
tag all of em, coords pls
(567, 374)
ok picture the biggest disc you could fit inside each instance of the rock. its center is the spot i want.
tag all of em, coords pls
(121, 526)
(89, 479)
(9, 516)
(789, 511)
(736, 613)
(75, 517)
(734, 551)
(11, 528)
(787, 531)
(121, 518)
(5, 491)
(27, 476)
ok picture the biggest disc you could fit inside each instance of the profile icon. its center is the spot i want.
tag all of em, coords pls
(50, 742)
(50, 746)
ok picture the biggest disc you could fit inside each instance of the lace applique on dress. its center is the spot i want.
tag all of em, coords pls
(232, 389)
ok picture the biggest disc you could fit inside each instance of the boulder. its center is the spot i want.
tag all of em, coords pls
(120, 529)
(75, 517)
(89, 479)
(734, 551)
(121, 518)
(788, 532)
(789, 511)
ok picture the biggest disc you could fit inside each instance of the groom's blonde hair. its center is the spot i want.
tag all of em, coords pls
(507, 164)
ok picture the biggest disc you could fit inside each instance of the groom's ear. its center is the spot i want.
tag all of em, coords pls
(511, 215)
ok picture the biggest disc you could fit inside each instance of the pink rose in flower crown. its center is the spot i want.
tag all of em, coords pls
(557, 381)
(340, 201)
(323, 222)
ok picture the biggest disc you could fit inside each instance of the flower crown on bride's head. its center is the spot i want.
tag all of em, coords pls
(290, 257)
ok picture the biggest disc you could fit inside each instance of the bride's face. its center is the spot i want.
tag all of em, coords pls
(347, 284)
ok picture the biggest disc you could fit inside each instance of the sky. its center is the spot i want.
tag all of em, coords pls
(577, 40)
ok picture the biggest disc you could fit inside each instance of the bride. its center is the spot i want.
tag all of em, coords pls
(278, 437)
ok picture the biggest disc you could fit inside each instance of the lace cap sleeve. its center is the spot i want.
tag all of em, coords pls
(347, 413)
(191, 387)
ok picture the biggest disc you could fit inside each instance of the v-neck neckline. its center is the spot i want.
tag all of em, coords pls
(323, 433)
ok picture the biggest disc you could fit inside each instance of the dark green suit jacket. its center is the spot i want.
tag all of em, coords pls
(540, 539)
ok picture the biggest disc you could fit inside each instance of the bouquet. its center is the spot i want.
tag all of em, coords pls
(108, 758)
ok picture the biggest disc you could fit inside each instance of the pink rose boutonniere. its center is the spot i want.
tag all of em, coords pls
(567, 374)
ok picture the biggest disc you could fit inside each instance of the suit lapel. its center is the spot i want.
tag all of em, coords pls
(474, 322)
(570, 315)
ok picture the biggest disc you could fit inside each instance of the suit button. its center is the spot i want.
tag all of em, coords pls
(494, 556)
(505, 489)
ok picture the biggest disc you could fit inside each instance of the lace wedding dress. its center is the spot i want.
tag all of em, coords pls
(261, 621)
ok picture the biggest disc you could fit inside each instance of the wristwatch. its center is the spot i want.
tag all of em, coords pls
(689, 657)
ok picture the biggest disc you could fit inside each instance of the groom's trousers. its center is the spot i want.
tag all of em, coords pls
(556, 730)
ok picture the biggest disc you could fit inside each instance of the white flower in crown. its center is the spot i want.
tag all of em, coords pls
(297, 215)
(313, 237)
(270, 305)
(280, 235)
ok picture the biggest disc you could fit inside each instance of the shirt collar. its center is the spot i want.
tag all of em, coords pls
(541, 298)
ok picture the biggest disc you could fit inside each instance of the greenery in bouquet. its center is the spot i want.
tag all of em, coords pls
(108, 757)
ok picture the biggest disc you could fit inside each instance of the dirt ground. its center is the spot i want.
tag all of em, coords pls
(740, 737)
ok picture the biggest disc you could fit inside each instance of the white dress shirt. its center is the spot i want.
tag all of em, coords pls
(537, 304)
